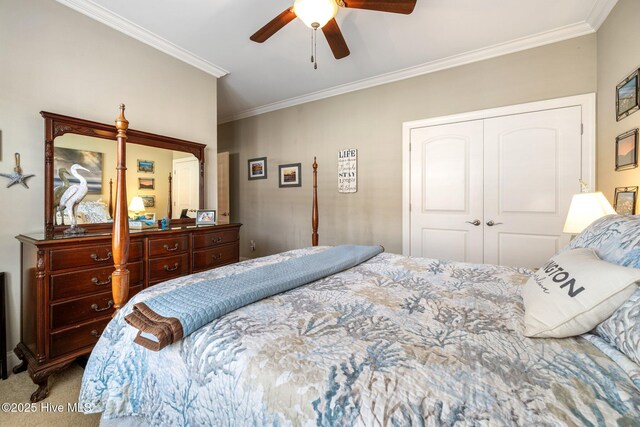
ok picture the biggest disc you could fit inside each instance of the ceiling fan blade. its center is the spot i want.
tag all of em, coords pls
(335, 39)
(273, 26)
(393, 6)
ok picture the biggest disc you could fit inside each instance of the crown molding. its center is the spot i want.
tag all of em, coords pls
(599, 13)
(117, 22)
(517, 45)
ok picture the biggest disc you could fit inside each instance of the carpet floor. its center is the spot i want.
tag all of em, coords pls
(64, 389)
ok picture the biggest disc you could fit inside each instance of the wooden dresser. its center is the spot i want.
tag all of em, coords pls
(66, 286)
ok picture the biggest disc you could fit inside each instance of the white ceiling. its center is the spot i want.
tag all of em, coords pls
(214, 35)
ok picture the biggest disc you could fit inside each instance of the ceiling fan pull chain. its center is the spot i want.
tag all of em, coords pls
(312, 57)
(315, 49)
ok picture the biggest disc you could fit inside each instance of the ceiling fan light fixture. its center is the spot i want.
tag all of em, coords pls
(317, 12)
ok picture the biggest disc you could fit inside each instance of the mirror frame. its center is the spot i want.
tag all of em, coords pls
(56, 125)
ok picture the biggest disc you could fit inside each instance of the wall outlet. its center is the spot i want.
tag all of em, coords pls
(252, 246)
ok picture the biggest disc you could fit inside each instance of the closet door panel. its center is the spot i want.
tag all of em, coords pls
(446, 191)
(532, 167)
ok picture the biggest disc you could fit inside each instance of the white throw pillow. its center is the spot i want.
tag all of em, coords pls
(573, 293)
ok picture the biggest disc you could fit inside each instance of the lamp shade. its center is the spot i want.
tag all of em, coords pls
(586, 208)
(315, 11)
(136, 205)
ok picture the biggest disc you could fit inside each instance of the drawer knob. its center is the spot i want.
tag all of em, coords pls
(216, 240)
(96, 258)
(174, 268)
(94, 307)
(97, 281)
(174, 248)
(95, 333)
(217, 256)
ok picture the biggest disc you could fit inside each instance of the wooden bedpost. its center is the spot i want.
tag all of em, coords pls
(120, 242)
(170, 203)
(111, 197)
(314, 213)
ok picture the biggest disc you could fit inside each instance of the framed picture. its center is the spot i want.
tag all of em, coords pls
(149, 201)
(257, 168)
(627, 150)
(146, 166)
(625, 200)
(206, 217)
(146, 183)
(627, 96)
(150, 216)
(290, 175)
(64, 158)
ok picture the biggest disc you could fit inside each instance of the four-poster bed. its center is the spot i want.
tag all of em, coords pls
(392, 341)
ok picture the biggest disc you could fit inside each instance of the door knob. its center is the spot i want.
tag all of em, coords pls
(224, 214)
(490, 223)
(475, 222)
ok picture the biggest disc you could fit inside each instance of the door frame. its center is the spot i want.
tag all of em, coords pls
(588, 167)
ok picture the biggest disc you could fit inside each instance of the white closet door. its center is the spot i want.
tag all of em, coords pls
(446, 192)
(532, 164)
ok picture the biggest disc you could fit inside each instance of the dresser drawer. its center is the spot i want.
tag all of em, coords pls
(84, 309)
(168, 267)
(73, 339)
(85, 282)
(84, 256)
(210, 258)
(206, 240)
(168, 246)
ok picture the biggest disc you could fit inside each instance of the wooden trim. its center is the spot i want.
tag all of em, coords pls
(120, 242)
(314, 210)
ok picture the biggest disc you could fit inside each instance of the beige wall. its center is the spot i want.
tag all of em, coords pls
(618, 56)
(371, 121)
(57, 60)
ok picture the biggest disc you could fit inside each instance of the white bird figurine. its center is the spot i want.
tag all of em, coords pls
(72, 198)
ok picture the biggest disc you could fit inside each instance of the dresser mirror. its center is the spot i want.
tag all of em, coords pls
(166, 173)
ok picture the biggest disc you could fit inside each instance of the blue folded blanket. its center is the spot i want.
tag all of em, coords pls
(166, 318)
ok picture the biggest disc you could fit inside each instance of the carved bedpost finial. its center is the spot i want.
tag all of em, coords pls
(122, 124)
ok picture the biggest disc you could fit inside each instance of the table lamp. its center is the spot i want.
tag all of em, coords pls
(586, 208)
(136, 206)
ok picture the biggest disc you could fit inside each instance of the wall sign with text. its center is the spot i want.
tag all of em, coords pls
(348, 171)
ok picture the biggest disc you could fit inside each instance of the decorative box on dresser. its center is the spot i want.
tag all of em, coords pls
(66, 286)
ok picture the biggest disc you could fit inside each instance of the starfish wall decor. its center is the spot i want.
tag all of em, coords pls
(17, 177)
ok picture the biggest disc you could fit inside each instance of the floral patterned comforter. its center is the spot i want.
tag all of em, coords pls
(394, 341)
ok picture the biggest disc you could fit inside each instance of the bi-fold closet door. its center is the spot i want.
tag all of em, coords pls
(495, 190)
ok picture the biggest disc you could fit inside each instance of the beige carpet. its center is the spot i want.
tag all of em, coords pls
(63, 389)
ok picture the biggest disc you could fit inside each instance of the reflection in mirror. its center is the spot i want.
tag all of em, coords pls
(156, 175)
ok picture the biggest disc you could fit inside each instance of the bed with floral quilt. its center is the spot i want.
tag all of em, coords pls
(394, 341)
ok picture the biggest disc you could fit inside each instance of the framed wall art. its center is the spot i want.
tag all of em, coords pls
(149, 201)
(257, 168)
(290, 175)
(146, 166)
(627, 150)
(64, 158)
(348, 170)
(625, 200)
(627, 93)
(146, 183)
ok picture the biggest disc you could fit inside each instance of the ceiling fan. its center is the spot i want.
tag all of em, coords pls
(321, 14)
